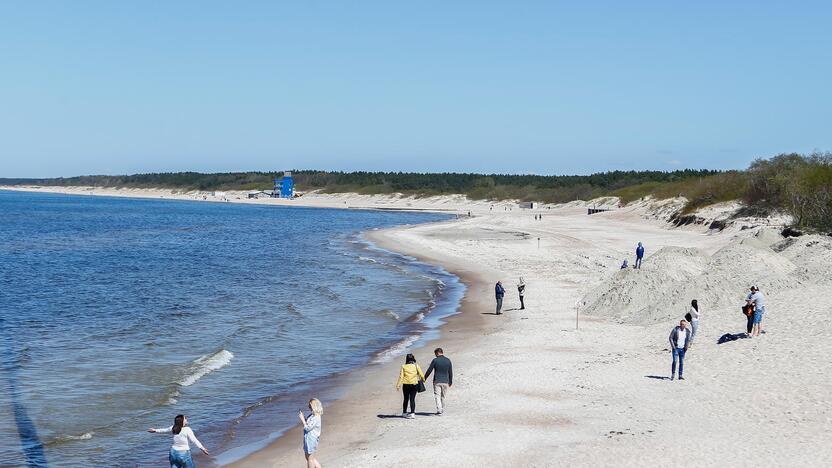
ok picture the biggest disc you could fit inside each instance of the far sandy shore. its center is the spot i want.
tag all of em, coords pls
(531, 390)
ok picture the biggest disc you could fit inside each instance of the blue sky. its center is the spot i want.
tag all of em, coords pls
(522, 87)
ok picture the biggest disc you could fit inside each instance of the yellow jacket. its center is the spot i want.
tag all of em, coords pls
(409, 374)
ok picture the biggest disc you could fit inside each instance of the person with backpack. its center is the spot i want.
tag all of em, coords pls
(499, 292)
(679, 342)
(693, 317)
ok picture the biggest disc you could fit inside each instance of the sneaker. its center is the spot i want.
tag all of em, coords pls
(681, 378)
(411, 416)
(404, 415)
(672, 377)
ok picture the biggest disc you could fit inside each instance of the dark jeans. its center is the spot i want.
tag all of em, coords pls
(680, 353)
(522, 305)
(749, 323)
(638, 263)
(409, 393)
(499, 304)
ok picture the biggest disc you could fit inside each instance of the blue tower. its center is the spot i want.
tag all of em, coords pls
(285, 187)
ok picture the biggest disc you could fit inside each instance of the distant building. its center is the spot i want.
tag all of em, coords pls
(219, 194)
(529, 205)
(260, 194)
(284, 187)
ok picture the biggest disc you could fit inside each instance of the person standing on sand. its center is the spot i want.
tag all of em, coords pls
(499, 292)
(679, 342)
(521, 290)
(409, 377)
(312, 432)
(694, 314)
(639, 255)
(758, 300)
(443, 379)
(183, 437)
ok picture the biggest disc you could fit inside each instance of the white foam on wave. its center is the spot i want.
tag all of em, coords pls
(368, 259)
(205, 365)
(84, 436)
(396, 350)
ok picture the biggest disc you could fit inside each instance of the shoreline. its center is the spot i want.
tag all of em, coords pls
(351, 412)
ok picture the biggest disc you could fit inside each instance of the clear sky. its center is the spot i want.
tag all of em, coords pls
(92, 87)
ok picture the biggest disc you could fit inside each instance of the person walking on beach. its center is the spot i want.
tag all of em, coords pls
(693, 317)
(499, 292)
(312, 432)
(183, 437)
(410, 376)
(679, 343)
(758, 300)
(443, 378)
(639, 255)
(521, 290)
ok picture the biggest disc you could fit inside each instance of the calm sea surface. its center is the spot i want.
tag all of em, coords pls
(118, 314)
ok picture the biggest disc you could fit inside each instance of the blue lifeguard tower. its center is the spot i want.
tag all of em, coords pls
(284, 187)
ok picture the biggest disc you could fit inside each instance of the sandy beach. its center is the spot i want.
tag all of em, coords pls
(532, 390)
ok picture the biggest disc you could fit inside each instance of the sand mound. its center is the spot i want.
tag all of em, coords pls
(670, 278)
(814, 255)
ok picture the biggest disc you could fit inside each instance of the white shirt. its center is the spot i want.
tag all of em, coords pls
(758, 299)
(681, 337)
(313, 426)
(180, 441)
(694, 314)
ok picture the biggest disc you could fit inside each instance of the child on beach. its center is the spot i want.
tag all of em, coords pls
(183, 436)
(410, 376)
(312, 432)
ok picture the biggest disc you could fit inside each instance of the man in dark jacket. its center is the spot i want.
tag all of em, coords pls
(499, 292)
(639, 255)
(679, 342)
(443, 378)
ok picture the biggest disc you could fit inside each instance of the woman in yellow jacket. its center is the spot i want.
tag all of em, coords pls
(409, 377)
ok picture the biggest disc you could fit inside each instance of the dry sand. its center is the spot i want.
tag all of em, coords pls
(531, 390)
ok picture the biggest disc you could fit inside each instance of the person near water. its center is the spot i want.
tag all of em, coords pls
(639, 255)
(499, 292)
(758, 300)
(694, 314)
(410, 375)
(312, 432)
(443, 378)
(183, 437)
(521, 290)
(679, 343)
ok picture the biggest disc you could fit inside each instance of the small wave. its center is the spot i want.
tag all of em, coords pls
(69, 438)
(396, 350)
(205, 365)
(368, 259)
(326, 292)
(389, 314)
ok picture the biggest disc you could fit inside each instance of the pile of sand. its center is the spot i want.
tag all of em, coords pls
(668, 280)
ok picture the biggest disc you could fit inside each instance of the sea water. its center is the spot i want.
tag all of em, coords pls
(117, 314)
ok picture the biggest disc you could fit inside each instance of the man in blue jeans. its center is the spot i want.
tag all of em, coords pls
(639, 255)
(499, 292)
(679, 342)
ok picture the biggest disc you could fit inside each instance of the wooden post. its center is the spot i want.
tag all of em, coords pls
(538, 242)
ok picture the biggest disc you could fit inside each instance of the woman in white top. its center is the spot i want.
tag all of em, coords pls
(312, 432)
(183, 436)
(694, 319)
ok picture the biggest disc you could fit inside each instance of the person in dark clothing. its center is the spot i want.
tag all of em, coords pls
(499, 292)
(443, 378)
(679, 343)
(639, 255)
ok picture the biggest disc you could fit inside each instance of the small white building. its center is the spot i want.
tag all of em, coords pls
(528, 205)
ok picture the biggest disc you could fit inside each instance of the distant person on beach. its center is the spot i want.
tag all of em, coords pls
(758, 300)
(521, 290)
(624, 265)
(499, 292)
(312, 432)
(679, 343)
(693, 317)
(410, 376)
(183, 437)
(443, 378)
(639, 255)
